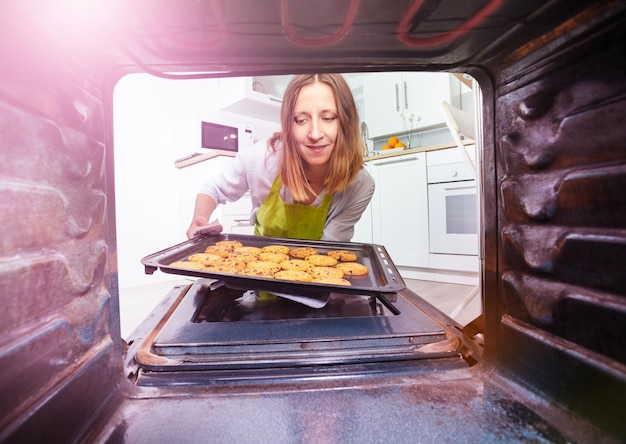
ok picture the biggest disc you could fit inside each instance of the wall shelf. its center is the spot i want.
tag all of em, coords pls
(201, 157)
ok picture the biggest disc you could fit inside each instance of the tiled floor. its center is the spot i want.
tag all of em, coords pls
(449, 297)
(137, 302)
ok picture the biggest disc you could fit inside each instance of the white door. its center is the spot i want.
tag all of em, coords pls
(383, 100)
(425, 91)
(400, 209)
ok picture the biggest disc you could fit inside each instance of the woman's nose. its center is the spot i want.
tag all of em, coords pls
(315, 132)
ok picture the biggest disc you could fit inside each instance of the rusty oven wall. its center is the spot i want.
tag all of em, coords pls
(561, 182)
(58, 316)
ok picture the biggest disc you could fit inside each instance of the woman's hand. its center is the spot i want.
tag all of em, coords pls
(200, 226)
(195, 224)
(205, 205)
(214, 228)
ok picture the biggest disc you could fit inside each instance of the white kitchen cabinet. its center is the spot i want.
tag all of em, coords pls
(383, 105)
(392, 98)
(236, 216)
(426, 93)
(239, 95)
(399, 208)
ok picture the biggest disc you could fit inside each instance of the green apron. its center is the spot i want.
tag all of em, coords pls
(275, 218)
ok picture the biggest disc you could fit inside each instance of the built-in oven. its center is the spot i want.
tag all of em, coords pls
(452, 205)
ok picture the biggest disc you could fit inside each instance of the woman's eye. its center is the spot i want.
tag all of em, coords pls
(300, 120)
(329, 118)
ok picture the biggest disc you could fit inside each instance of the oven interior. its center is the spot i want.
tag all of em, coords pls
(552, 368)
(217, 327)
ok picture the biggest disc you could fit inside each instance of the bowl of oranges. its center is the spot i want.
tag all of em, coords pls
(393, 145)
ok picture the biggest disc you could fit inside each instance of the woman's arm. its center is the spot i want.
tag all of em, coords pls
(205, 205)
(348, 210)
(252, 170)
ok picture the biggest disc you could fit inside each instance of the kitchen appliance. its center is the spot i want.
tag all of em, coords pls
(217, 136)
(553, 215)
(452, 206)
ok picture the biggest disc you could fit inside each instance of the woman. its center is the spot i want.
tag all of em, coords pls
(308, 181)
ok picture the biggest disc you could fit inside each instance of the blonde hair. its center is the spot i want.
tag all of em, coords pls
(346, 160)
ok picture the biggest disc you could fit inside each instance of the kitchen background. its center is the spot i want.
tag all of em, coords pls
(158, 127)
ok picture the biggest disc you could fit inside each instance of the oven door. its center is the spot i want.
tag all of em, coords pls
(452, 213)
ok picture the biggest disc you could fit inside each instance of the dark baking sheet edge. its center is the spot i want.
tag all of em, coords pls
(378, 257)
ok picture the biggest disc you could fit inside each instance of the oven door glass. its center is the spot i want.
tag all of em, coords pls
(452, 213)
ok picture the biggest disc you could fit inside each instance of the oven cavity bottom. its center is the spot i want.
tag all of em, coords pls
(214, 328)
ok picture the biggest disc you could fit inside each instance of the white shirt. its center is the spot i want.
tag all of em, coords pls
(256, 169)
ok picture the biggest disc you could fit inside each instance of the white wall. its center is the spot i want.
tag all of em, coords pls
(154, 124)
(157, 121)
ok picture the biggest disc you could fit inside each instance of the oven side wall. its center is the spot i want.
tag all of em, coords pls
(59, 320)
(560, 131)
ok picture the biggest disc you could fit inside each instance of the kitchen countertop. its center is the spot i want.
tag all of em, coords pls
(420, 149)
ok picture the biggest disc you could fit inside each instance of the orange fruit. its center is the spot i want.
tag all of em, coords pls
(393, 141)
(399, 145)
(386, 147)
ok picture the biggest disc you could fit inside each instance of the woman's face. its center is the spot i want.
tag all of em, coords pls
(315, 123)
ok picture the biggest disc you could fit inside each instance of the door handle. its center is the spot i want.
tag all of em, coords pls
(406, 95)
(392, 161)
(397, 98)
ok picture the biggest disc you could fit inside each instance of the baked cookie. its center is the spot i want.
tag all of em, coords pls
(245, 257)
(326, 272)
(343, 255)
(332, 281)
(230, 244)
(248, 250)
(302, 252)
(284, 249)
(205, 258)
(295, 264)
(217, 249)
(256, 273)
(273, 257)
(353, 268)
(263, 265)
(321, 260)
(234, 263)
(187, 264)
(293, 275)
(221, 269)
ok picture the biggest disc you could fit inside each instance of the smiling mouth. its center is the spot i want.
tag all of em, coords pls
(316, 147)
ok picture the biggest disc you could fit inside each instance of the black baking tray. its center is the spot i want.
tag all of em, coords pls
(383, 276)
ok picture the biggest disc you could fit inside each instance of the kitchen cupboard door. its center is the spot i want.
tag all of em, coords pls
(400, 209)
(424, 94)
(383, 98)
(391, 99)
